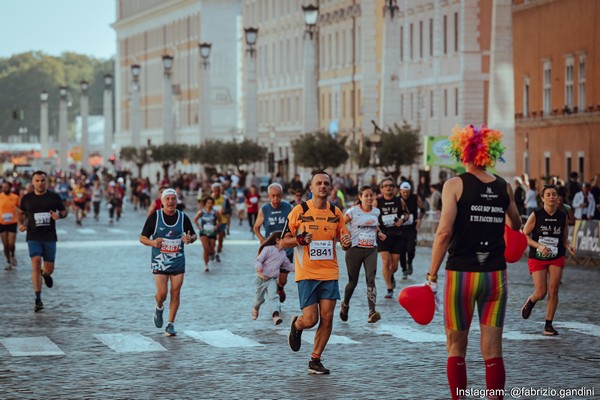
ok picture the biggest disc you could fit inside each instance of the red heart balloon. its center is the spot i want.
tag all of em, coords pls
(419, 301)
(515, 242)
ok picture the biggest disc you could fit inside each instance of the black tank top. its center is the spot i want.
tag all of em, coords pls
(412, 207)
(391, 210)
(549, 231)
(477, 242)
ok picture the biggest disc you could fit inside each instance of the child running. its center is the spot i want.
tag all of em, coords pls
(271, 258)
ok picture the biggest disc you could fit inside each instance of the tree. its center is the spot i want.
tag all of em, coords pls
(399, 146)
(139, 156)
(239, 154)
(319, 151)
(169, 153)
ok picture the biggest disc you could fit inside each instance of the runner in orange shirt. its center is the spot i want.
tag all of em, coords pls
(9, 203)
(314, 227)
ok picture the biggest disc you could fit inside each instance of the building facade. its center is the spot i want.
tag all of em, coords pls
(557, 87)
(146, 31)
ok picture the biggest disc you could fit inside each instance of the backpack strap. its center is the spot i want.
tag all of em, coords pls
(304, 206)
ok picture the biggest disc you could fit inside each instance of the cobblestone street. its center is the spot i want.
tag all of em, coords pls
(96, 339)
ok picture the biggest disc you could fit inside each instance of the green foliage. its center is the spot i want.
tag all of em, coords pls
(169, 153)
(24, 76)
(319, 151)
(239, 154)
(140, 156)
(362, 158)
(399, 146)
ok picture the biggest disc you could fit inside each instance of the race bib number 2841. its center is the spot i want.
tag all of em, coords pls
(321, 250)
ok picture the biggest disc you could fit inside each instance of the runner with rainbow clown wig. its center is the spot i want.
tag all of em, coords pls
(476, 205)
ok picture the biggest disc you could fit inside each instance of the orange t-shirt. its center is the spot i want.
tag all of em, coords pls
(8, 208)
(318, 260)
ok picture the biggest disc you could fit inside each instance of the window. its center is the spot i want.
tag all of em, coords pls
(401, 43)
(337, 50)
(546, 163)
(445, 34)
(420, 39)
(581, 84)
(547, 87)
(455, 101)
(410, 44)
(569, 82)
(526, 97)
(402, 105)
(430, 37)
(431, 103)
(580, 155)
(568, 161)
(455, 32)
(445, 102)
(412, 107)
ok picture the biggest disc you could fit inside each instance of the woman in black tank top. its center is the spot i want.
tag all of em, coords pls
(548, 237)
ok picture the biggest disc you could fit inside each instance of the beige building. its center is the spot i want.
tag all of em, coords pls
(557, 87)
(149, 29)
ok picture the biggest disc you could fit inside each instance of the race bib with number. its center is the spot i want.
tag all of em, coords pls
(7, 217)
(218, 208)
(208, 228)
(254, 200)
(388, 220)
(170, 245)
(367, 239)
(410, 220)
(551, 243)
(42, 218)
(321, 250)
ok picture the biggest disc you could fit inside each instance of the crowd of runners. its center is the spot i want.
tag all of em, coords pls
(297, 229)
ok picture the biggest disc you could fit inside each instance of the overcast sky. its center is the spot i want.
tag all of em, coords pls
(55, 26)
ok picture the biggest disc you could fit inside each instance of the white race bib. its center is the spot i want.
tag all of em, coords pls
(218, 208)
(170, 245)
(367, 239)
(321, 250)
(254, 200)
(42, 218)
(208, 228)
(551, 243)
(389, 219)
(7, 217)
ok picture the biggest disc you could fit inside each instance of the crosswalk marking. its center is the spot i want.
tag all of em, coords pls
(129, 342)
(222, 338)
(86, 231)
(309, 337)
(580, 327)
(410, 334)
(31, 346)
(116, 230)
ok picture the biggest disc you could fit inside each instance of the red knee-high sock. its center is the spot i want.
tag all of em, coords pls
(495, 376)
(456, 369)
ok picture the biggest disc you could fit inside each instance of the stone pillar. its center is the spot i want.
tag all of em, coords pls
(108, 124)
(310, 122)
(85, 137)
(62, 130)
(390, 90)
(44, 131)
(136, 114)
(205, 120)
(251, 96)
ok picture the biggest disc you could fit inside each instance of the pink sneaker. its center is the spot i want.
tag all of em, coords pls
(254, 313)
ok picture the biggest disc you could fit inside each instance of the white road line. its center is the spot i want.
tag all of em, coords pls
(222, 338)
(86, 231)
(309, 337)
(31, 346)
(580, 327)
(129, 342)
(410, 334)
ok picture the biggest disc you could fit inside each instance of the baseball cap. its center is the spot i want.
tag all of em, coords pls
(168, 192)
(405, 186)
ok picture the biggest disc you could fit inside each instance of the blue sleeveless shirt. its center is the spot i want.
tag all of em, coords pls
(169, 259)
(275, 220)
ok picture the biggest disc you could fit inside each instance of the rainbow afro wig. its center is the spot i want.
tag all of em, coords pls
(481, 147)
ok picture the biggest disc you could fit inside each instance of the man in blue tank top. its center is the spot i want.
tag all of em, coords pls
(167, 231)
(272, 217)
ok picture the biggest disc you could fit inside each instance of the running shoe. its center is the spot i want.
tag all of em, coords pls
(393, 282)
(344, 312)
(404, 274)
(410, 269)
(39, 306)
(218, 258)
(550, 331)
(48, 280)
(8, 266)
(170, 330)
(374, 316)
(206, 268)
(276, 318)
(295, 336)
(527, 307)
(158, 317)
(281, 294)
(212, 257)
(315, 367)
(254, 313)
(389, 295)
(14, 261)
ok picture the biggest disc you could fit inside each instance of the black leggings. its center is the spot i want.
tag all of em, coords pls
(355, 258)
(408, 246)
(252, 219)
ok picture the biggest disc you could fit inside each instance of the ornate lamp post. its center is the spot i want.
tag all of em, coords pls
(311, 68)
(85, 140)
(168, 131)
(108, 119)
(44, 124)
(205, 121)
(251, 35)
(136, 112)
(62, 127)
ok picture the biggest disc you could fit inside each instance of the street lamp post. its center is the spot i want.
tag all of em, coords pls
(390, 88)
(205, 120)
(84, 109)
(251, 35)
(62, 127)
(135, 106)
(311, 68)
(108, 119)
(168, 131)
(44, 124)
